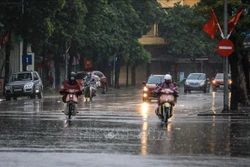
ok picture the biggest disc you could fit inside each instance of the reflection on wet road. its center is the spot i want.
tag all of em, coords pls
(119, 123)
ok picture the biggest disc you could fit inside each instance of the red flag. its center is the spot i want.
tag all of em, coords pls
(212, 25)
(5, 40)
(87, 63)
(231, 24)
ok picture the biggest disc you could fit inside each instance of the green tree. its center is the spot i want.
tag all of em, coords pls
(32, 22)
(69, 28)
(112, 27)
(185, 40)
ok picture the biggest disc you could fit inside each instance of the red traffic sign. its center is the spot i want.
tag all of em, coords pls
(225, 47)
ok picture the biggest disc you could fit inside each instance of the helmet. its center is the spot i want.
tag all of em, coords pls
(72, 76)
(168, 77)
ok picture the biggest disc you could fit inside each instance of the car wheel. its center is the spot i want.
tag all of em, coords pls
(214, 89)
(205, 91)
(104, 89)
(7, 98)
(185, 90)
(14, 98)
(33, 95)
(189, 91)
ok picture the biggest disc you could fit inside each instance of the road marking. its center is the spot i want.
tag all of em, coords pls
(226, 47)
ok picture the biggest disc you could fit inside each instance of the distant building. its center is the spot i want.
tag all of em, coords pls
(162, 63)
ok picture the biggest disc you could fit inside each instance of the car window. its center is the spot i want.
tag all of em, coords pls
(13, 77)
(155, 79)
(219, 76)
(35, 76)
(21, 77)
(196, 76)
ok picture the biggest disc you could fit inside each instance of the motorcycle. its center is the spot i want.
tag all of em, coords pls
(166, 101)
(89, 90)
(71, 100)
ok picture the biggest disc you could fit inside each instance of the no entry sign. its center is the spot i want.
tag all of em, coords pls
(225, 47)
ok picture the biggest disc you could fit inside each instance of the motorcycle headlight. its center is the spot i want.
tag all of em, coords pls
(28, 86)
(145, 89)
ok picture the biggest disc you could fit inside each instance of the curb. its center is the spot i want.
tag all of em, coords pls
(223, 114)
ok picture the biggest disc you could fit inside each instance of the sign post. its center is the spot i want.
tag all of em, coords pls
(225, 48)
(225, 62)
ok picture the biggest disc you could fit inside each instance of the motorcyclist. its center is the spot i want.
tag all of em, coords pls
(70, 83)
(167, 84)
(90, 79)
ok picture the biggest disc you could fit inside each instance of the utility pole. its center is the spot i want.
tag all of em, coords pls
(225, 62)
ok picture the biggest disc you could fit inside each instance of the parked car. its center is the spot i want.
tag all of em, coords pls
(218, 81)
(149, 85)
(25, 83)
(98, 75)
(197, 82)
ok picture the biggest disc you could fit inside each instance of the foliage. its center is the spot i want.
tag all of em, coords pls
(182, 31)
(112, 25)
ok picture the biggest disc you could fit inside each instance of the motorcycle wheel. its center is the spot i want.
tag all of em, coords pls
(90, 94)
(71, 110)
(166, 114)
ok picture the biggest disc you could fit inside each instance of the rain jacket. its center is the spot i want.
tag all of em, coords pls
(170, 86)
(70, 85)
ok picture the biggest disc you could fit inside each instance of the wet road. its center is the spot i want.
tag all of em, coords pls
(117, 129)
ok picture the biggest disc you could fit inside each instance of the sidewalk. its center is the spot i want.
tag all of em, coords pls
(243, 111)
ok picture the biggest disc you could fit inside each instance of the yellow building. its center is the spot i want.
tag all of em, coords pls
(170, 3)
(157, 47)
(152, 38)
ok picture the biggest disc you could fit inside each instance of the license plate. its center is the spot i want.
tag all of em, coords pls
(17, 90)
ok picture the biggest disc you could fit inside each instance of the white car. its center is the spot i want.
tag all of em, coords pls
(25, 83)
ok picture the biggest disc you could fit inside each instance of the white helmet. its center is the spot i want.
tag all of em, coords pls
(168, 77)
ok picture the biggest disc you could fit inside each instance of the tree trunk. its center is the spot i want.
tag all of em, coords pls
(117, 72)
(44, 67)
(133, 75)
(246, 71)
(194, 65)
(239, 94)
(7, 60)
(127, 70)
(57, 71)
(239, 76)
